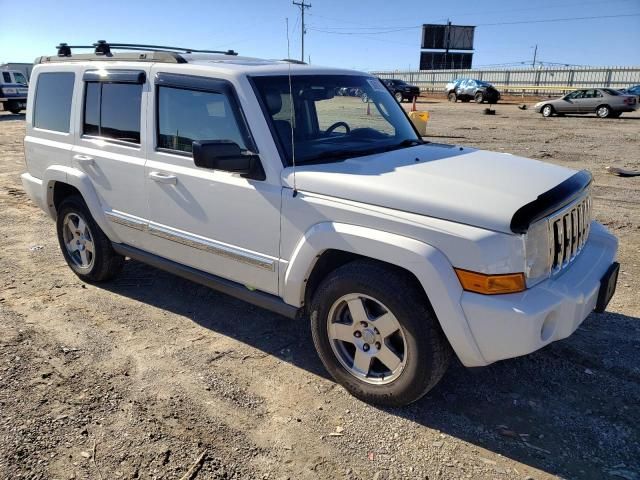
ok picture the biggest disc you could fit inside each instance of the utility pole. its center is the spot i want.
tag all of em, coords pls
(535, 54)
(302, 6)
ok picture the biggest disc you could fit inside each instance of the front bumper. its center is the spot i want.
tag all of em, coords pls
(506, 326)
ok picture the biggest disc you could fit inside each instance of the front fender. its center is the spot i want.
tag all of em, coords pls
(78, 179)
(432, 269)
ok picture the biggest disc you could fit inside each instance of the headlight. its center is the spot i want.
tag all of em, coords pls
(9, 91)
(537, 252)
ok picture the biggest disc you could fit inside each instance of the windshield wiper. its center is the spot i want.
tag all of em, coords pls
(342, 155)
(345, 154)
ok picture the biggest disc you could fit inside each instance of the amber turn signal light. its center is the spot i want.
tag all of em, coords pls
(491, 284)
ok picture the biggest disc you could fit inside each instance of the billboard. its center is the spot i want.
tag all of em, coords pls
(447, 37)
(445, 60)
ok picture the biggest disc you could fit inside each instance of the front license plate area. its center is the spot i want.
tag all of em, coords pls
(607, 287)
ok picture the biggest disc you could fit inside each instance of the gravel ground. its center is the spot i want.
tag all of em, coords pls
(140, 377)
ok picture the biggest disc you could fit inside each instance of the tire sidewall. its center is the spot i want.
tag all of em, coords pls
(408, 387)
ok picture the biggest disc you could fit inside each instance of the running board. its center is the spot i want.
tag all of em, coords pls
(228, 287)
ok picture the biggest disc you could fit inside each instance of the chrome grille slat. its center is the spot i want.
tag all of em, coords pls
(569, 231)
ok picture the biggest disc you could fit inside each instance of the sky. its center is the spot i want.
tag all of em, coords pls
(365, 35)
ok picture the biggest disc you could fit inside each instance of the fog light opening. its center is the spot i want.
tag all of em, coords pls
(548, 327)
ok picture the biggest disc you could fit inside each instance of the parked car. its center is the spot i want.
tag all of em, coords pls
(13, 91)
(401, 90)
(635, 90)
(604, 102)
(467, 89)
(256, 179)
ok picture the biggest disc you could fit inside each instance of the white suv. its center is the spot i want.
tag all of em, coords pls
(255, 178)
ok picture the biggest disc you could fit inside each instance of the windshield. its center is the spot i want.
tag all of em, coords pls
(334, 117)
(482, 84)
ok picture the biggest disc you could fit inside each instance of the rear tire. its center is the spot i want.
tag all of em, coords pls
(452, 97)
(15, 111)
(85, 247)
(603, 111)
(394, 350)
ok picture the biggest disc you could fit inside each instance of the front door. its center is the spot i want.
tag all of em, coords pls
(212, 220)
(570, 103)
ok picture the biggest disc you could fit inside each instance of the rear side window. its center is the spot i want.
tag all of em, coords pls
(6, 78)
(112, 110)
(52, 107)
(185, 116)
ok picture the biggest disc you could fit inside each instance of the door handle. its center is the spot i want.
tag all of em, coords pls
(84, 160)
(163, 178)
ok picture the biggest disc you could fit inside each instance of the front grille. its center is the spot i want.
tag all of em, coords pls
(569, 230)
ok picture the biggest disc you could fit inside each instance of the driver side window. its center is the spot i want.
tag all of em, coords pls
(185, 116)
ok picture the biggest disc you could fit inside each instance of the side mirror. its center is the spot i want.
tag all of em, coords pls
(228, 156)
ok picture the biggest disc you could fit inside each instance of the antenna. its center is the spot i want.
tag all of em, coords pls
(293, 118)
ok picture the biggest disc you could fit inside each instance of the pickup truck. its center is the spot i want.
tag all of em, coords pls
(13, 91)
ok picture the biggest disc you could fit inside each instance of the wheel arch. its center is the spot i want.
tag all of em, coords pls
(328, 245)
(59, 182)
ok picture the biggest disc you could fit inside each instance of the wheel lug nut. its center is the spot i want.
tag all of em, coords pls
(378, 346)
(357, 334)
(365, 347)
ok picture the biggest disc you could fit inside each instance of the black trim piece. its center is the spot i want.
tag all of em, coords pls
(115, 76)
(608, 284)
(267, 115)
(228, 287)
(551, 201)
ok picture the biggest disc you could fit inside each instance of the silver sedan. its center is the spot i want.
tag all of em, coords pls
(604, 102)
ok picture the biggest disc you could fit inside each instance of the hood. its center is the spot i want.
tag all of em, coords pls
(464, 185)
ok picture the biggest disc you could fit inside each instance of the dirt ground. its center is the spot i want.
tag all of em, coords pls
(138, 377)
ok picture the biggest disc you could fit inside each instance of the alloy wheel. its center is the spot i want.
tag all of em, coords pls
(367, 339)
(78, 241)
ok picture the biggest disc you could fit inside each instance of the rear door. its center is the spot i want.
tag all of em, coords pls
(592, 98)
(109, 145)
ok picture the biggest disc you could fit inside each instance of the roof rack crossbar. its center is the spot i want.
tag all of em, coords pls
(104, 48)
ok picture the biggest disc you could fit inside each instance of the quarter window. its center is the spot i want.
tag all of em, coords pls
(6, 77)
(185, 116)
(52, 108)
(112, 110)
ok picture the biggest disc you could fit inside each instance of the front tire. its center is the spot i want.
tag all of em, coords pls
(547, 111)
(452, 97)
(479, 97)
(376, 334)
(15, 111)
(85, 247)
(398, 96)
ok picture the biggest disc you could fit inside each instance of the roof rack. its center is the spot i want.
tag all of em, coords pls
(293, 60)
(102, 51)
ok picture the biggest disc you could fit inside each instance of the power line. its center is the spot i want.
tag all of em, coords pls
(333, 30)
